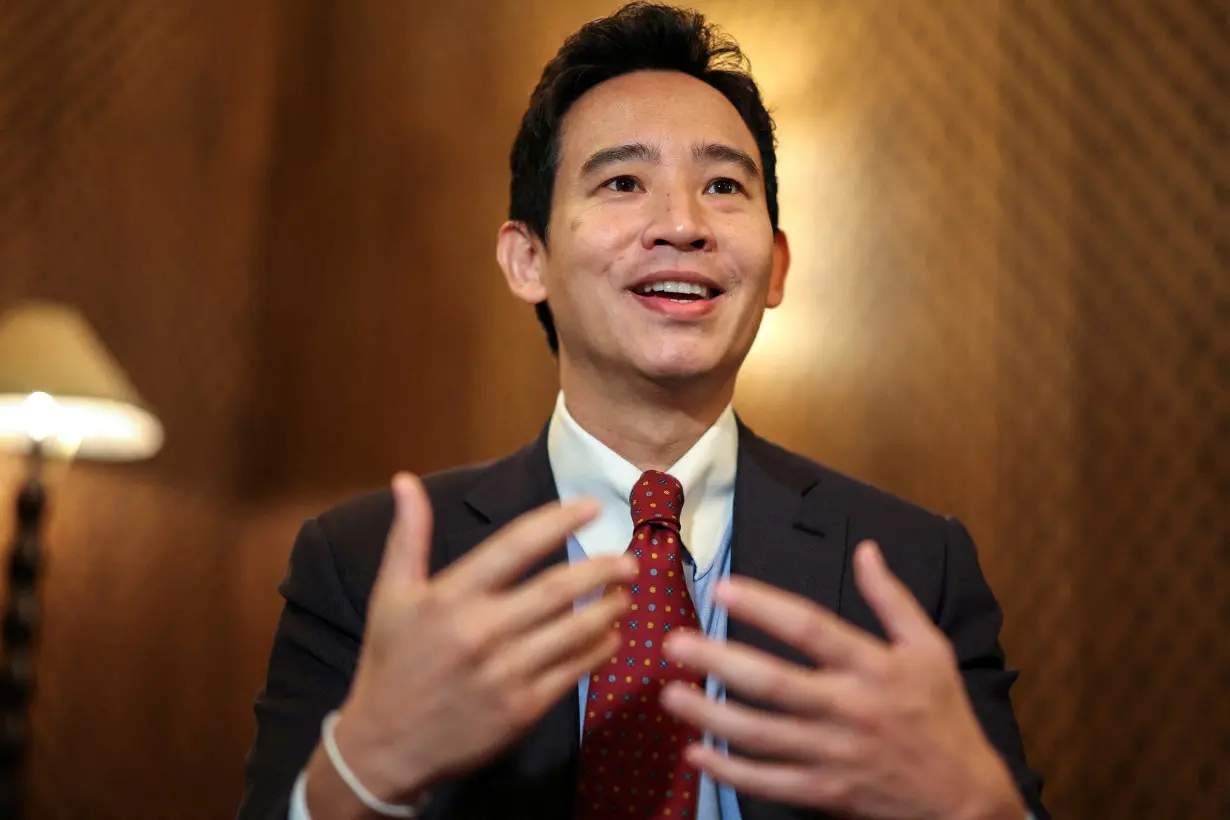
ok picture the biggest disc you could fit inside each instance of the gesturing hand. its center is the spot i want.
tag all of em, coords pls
(880, 730)
(455, 667)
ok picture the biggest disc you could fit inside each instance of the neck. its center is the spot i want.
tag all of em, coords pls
(651, 425)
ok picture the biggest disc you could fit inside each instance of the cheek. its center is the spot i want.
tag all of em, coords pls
(751, 254)
(600, 241)
(607, 223)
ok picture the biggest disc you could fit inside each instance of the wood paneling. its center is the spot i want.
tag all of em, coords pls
(1009, 303)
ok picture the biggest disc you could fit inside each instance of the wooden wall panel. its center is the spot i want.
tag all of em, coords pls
(1009, 302)
(133, 177)
(387, 186)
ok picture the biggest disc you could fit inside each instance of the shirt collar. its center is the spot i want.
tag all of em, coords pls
(584, 466)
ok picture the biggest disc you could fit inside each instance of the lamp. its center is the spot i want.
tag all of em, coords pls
(62, 395)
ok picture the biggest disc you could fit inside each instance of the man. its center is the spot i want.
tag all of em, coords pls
(707, 625)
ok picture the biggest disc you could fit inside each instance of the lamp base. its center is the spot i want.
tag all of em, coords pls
(20, 628)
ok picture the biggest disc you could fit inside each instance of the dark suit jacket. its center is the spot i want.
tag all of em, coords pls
(795, 527)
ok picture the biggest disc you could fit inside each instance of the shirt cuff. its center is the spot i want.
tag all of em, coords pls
(298, 799)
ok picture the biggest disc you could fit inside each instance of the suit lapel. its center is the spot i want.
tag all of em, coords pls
(510, 487)
(535, 778)
(786, 534)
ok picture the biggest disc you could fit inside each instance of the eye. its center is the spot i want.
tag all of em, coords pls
(725, 185)
(622, 185)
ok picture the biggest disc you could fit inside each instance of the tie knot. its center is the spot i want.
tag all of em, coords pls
(656, 498)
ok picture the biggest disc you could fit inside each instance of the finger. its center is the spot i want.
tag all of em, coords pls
(564, 637)
(505, 556)
(750, 730)
(557, 680)
(800, 623)
(902, 617)
(559, 588)
(758, 675)
(790, 783)
(405, 560)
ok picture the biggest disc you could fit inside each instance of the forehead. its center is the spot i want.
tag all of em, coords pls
(670, 110)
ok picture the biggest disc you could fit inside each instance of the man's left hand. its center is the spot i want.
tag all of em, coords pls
(878, 730)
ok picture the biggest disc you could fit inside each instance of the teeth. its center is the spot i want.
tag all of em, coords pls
(678, 287)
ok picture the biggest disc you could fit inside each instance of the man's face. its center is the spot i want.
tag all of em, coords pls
(660, 256)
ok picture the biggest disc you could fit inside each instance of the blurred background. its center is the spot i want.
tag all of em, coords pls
(1010, 301)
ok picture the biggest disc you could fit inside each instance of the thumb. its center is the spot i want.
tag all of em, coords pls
(902, 617)
(406, 551)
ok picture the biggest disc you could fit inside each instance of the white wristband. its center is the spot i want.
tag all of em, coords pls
(370, 800)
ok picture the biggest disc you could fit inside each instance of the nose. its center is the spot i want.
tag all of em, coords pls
(678, 220)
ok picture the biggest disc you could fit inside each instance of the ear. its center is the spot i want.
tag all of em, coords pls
(781, 264)
(521, 255)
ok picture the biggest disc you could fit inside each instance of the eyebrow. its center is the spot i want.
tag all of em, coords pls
(717, 152)
(640, 152)
(630, 152)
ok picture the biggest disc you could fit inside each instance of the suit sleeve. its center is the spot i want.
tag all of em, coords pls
(971, 617)
(315, 650)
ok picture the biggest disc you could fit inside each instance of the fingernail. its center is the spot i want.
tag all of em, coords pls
(400, 485)
(674, 645)
(669, 692)
(873, 560)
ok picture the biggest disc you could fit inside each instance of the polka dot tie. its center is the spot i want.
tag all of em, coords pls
(632, 763)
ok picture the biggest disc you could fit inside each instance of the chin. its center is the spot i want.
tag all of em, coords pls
(679, 365)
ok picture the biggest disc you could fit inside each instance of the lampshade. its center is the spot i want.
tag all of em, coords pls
(60, 385)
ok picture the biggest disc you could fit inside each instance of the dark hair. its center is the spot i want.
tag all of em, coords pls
(639, 37)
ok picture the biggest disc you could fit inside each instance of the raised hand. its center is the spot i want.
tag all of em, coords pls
(454, 668)
(879, 730)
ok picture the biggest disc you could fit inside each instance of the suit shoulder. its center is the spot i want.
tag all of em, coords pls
(913, 539)
(366, 518)
(862, 499)
(356, 529)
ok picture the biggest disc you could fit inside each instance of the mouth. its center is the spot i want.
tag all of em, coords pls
(678, 297)
(677, 290)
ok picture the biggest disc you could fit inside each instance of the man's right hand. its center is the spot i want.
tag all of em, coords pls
(454, 668)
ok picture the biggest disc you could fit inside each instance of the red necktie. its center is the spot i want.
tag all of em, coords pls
(632, 764)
